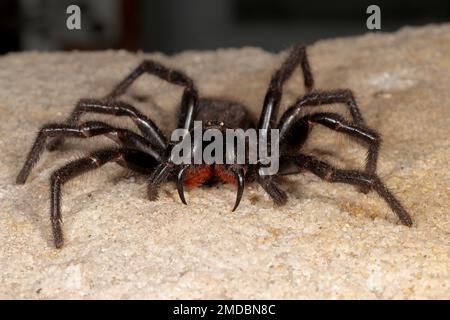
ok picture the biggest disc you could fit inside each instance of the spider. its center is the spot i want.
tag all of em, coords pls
(149, 152)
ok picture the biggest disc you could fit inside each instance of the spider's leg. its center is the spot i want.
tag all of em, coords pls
(354, 177)
(189, 101)
(272, 188)
(296, 57)
(161, 173)
(294, 130)
(117, 108)
(318, 98)
(89, 129)
(76, 168)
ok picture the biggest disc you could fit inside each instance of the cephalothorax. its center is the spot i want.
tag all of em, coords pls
(149, 152)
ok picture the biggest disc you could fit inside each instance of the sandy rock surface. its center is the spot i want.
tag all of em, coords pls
(329, 241)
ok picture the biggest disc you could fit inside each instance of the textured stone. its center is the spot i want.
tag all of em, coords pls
(329, 241)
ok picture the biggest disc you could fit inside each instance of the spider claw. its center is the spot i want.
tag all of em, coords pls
(180, 184)
(240, 183)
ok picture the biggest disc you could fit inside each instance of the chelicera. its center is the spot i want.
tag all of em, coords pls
(149, 152)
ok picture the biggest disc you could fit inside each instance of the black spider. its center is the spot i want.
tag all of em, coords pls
(149, 153)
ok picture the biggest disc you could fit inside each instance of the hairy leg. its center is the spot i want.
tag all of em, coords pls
(296, 57)
(161, 174)
(189, 101)
(117, 108)
(357, 178)
(320, 98)
(75, 168)
(124, 137)
(295, 129)
(272, 189)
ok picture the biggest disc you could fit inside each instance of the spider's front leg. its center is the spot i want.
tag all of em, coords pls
(189, 101)
(354, 177)
(296, 57)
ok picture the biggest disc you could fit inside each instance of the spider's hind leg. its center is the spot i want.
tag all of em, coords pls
(358, 178)
(124, 157)
(86, 130)
(294, 130)
(117, 108)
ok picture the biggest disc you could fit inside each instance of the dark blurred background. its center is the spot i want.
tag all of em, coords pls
(175, 25)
